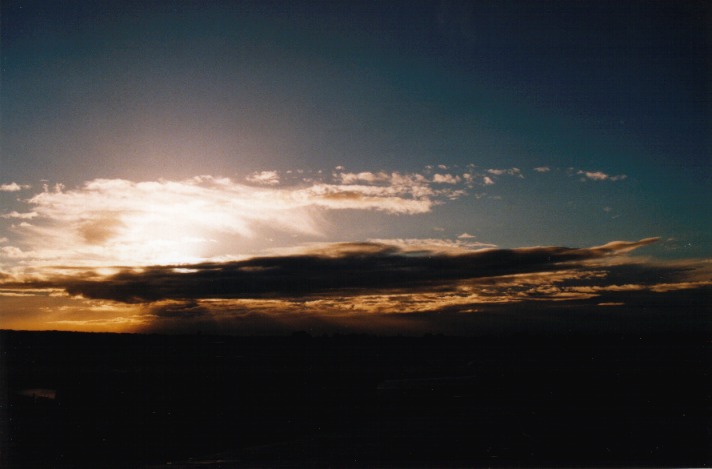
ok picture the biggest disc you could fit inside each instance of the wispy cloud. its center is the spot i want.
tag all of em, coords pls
(22, 216)
(542, 169)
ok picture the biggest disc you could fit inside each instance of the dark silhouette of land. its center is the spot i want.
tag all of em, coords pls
(123, 400)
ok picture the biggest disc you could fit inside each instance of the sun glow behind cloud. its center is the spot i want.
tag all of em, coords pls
(110, 222)
(119, 255)
(401, 286)
(119, 222)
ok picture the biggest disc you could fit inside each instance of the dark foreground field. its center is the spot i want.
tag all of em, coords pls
(105, 400)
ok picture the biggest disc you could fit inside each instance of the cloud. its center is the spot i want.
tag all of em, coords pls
(113, 221)
(22, 216)
(334, 270)
(487, 181)
(121, 222)
(391, 199)
(107, 222)
(391, 286)
(446, 179)
(366, 176)
(600, 176)
(434, 246)
(269, 178)
(12, 187)
(509, 172)
(542, 169)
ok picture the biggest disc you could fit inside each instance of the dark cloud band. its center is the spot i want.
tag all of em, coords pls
(349, 269)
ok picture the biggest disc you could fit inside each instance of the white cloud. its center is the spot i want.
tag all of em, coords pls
(363, 197)
(509, 172)
(121, 222)
(13, 252)
(24, 216)
(594, 175)
(366, 176)
(488, 181)
(542, 169)
(466, 236)
(269, 178)
(12, 187)
(600, 176)
(446, 179)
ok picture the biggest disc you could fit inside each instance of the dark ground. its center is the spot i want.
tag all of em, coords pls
(357, 401)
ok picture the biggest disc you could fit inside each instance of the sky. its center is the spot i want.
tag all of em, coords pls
(385, 167)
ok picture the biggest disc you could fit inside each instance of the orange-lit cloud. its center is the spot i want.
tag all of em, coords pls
(352, 269)
(373, 286)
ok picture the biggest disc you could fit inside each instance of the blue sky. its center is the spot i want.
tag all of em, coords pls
(495, 125)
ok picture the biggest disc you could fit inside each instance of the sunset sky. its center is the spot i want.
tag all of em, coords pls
(387, 167)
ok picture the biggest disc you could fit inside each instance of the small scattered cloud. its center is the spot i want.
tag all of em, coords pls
(487, 181)
(270, 178)
(12, 187)
(506, 172)
(542, 169)
(446, 179)
(466, 236)
(600, 176)
(364, 176)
